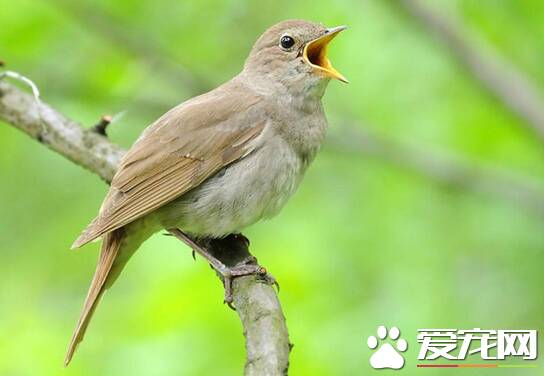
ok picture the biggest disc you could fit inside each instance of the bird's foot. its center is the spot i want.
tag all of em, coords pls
(247, 266)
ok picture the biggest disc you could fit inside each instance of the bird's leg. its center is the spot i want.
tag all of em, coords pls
(246, 266)
(217, 264)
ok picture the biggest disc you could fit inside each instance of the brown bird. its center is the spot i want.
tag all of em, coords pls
(220, 161)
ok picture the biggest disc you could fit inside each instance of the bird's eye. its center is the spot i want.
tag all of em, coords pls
(286, 42)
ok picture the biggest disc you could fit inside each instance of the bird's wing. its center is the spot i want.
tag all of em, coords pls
(178, 152)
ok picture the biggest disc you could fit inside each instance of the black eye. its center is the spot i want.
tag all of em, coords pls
(286, 42)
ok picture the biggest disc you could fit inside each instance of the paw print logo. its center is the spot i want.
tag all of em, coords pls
(384, 354)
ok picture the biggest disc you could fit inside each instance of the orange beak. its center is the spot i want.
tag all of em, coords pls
(315, 54)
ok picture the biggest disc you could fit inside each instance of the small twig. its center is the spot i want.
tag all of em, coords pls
(101, 126)
(28, 81)
(35, 91)
(106, 120)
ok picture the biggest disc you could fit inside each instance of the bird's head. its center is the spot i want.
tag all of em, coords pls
(294, 53)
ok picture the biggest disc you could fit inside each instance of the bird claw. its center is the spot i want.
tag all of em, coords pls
(246, 267)
(267, 278)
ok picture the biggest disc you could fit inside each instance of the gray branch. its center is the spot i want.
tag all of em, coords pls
(265, 330)
(264, 326)
(503, 80)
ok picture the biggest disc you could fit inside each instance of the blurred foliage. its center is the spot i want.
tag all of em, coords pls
(361, 244)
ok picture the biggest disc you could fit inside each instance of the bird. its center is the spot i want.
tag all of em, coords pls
(220, 161)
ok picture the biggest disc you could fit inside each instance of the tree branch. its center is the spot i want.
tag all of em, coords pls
(502, 80)
(257, 303)
(267, 341)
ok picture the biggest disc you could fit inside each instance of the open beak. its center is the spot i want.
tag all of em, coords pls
(315, 54)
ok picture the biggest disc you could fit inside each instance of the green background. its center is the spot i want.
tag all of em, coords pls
(364, 242)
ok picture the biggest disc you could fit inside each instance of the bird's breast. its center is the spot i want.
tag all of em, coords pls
(255, 187)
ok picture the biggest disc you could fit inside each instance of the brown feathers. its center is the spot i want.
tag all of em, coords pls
(110, 247)
(279, 90)
(175, 154)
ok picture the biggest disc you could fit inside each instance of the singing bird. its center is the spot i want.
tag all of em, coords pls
(221, 161)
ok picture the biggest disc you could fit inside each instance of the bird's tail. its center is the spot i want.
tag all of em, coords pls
(101, 280)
